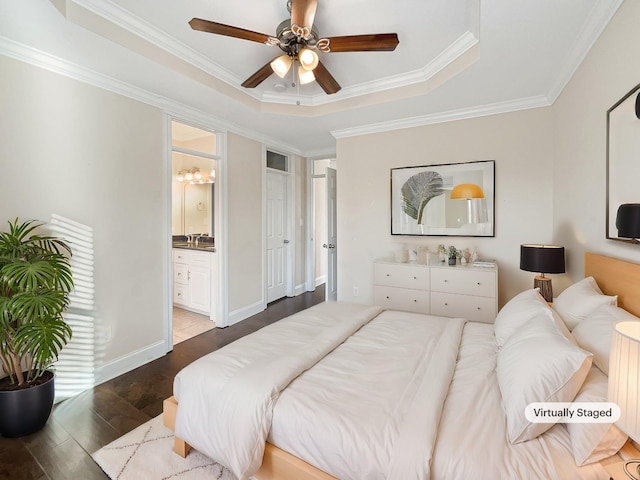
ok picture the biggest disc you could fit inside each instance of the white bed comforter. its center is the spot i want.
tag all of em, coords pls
(227, 398)
(379, 416)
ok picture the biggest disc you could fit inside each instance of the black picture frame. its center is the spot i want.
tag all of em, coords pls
(421, 202)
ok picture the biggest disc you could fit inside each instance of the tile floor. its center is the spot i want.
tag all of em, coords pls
(188, 324)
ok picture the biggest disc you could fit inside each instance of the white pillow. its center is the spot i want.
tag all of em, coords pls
(579, 300)
(520, 310)
(591, 442)
(538, 364)
(594, 333)
(517, 311)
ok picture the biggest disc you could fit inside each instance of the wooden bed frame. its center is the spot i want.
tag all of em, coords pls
(615, 277)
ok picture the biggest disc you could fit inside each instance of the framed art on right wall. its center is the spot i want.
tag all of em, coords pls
(623, 152)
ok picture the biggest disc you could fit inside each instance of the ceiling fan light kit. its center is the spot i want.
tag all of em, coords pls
(281, 65)
(299, 41)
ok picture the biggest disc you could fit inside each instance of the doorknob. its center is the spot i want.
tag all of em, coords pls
(331, 245)
(286, 241)
(324, 245)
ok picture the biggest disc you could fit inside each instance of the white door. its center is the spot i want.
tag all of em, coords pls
(331, 290)
(276, 235)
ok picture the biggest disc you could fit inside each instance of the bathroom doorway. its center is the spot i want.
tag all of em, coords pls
(194, 264)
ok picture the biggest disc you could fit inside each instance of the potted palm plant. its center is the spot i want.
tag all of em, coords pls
(35, 281)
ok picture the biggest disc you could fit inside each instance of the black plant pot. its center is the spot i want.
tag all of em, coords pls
(452, 261)
(25, 411)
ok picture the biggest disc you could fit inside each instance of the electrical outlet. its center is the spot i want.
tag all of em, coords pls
(356, 291)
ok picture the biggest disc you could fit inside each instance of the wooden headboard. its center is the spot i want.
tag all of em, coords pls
(615, 277)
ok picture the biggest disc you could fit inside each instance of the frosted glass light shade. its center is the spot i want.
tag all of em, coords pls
(281, 65)
(308, 59)
(305, 76)
(624, 376)
(467, 190)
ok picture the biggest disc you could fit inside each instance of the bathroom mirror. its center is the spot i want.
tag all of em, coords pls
(192, 194)
(623, 152)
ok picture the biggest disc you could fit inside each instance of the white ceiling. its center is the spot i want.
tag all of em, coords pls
(456, 59)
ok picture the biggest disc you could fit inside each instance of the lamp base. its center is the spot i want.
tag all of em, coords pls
(544, 284)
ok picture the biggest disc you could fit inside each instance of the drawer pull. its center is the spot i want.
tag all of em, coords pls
(387, 297)
(446, 281)
(478, 283)
(388, 274)
(446, 304)
(415, 301)
(415, 278)
(478, 308)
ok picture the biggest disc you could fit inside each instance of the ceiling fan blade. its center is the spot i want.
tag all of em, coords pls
(227, 30)
(257, 78)
(303, 12)
(377, 42)
(325, 79)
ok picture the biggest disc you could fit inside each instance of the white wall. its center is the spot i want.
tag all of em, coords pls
(520, 143)
(610, 70)
(65, 149)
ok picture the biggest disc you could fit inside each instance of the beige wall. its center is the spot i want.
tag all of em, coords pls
(245, 168)
(610, 70)
(520, 143)
(65, 149)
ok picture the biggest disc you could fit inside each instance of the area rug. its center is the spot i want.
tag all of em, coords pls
(147, 453)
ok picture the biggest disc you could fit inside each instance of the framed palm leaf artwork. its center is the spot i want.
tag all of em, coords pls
(453, 199)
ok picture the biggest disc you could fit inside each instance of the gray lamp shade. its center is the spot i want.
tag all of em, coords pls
(628, 220)
(542, 258)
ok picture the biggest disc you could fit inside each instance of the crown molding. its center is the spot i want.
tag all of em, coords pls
(599, 17)
(443, 117)
(52, 63)
(126, 20)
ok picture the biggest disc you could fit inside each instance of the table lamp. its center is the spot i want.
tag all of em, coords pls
(542, 259)
(624, 380)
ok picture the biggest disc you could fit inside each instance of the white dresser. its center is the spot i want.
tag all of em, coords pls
(192, 280)
(439, 289)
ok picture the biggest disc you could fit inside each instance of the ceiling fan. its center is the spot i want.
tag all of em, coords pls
(300, 42)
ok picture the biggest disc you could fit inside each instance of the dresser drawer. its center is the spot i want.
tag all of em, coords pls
(200, 259)
(477, 309)
(401, 276)
(463, 281)
(405, 299)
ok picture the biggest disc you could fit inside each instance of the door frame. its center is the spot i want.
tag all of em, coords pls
(219, 274)
(310, 232)
(289, 175)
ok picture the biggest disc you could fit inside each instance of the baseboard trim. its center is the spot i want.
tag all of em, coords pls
(242, 313)
(320, 280)
(129, 362)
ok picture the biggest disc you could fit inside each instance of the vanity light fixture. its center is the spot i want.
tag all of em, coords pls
(195, 176)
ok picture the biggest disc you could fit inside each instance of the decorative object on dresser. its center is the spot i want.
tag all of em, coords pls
(623, 151)
(461, 291)
(425, 199)
(624, 383)
(542, 259)
(628, 221)
(453, 254)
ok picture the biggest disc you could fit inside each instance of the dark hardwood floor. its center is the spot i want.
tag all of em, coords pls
(82, 425)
